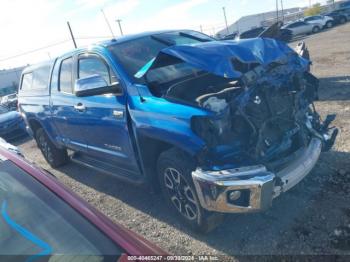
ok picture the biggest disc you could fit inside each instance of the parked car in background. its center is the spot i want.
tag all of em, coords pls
(229, 37)
(218, 126)
(340, 16)
(42, 219)
(345, 4)
(302, 28)
(255, 32)
(12, 125)
(274, 31)
(9, 101)
(324, 21)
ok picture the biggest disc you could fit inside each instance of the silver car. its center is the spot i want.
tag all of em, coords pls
(303, 28)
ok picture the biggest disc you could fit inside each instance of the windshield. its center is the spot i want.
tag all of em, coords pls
(134, 54)
(35, 222)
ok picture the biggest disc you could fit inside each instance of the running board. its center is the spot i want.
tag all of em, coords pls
(108, 169)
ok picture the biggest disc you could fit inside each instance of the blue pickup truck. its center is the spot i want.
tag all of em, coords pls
(218, 126)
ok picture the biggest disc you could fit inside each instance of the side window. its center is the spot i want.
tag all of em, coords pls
(27, 80)
(65, 82)
(93, 65)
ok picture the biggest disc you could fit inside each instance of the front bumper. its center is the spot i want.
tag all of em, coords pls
(252, 189)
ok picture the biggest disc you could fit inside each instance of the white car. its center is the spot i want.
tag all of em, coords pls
(302, 28)
(325, 21)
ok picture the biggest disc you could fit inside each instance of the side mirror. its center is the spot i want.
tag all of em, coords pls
(95, 85)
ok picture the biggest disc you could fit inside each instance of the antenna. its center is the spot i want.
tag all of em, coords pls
(109, 26)
(71, 34)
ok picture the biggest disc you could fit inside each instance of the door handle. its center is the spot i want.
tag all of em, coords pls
(79, 107)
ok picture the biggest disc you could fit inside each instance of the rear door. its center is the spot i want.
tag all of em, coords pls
(106, 130)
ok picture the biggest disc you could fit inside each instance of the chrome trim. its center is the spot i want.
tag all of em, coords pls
(299, 168)
(213, 187)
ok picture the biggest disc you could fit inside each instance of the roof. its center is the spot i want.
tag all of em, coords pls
(135, 36)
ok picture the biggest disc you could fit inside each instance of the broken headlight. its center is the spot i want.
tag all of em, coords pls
(212, 129)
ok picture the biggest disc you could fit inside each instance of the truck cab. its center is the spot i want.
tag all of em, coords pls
(218, 126)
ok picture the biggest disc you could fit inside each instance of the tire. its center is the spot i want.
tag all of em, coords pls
(329, 24)
(174, 172)
(56, 157)
(315, 29)
(343, 20)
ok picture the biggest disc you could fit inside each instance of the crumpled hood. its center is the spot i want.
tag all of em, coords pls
(216, 56)
(9, 116)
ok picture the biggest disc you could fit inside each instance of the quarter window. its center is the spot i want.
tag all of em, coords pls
(65, 82)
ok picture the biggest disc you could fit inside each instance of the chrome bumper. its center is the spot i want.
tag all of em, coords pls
(256, 187)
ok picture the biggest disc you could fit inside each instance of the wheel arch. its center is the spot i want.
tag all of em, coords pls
(35, 124)
(150, 150)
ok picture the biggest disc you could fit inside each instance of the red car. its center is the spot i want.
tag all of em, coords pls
(42, 219)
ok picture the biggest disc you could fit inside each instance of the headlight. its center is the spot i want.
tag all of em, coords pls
(212, 129)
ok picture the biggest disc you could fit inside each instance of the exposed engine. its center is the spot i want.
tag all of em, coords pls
(262, 117)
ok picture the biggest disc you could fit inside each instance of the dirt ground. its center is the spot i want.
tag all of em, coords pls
(312, 218)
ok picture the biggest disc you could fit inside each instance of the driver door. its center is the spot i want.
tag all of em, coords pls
(106, 131)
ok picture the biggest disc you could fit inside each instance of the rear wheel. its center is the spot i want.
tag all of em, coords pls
(342, 20)
(315, 29)
(54, 156)
(174, 171)
(329, 24)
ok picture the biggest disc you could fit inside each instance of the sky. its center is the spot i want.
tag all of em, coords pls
(28, 25)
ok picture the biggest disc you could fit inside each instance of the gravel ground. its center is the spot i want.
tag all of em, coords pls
(312, 218)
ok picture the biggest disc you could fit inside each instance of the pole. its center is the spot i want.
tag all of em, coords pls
(120, 26)
(109, 26)
(201, 28)
(71, 34)
(277, 10)
(223, 9)
(282, 11)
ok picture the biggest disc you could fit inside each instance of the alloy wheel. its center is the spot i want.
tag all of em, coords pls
(45, 148)
(180, 193)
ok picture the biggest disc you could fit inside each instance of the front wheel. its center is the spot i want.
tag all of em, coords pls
(174, 171)
(56, 157)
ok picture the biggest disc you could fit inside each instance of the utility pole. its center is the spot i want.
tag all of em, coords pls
(201, 28)
(282, 11)
(71, 34)
(120, 26)
(109, 26)
(223, 9)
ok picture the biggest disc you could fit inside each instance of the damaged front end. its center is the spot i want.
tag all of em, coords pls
(262, 132)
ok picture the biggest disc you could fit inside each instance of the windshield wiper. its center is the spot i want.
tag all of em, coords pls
(193, 37)
(162, 40)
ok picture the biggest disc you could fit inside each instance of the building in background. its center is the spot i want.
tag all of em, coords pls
(9, 80)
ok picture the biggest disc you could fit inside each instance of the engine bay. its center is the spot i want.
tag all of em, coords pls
(261, 117)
